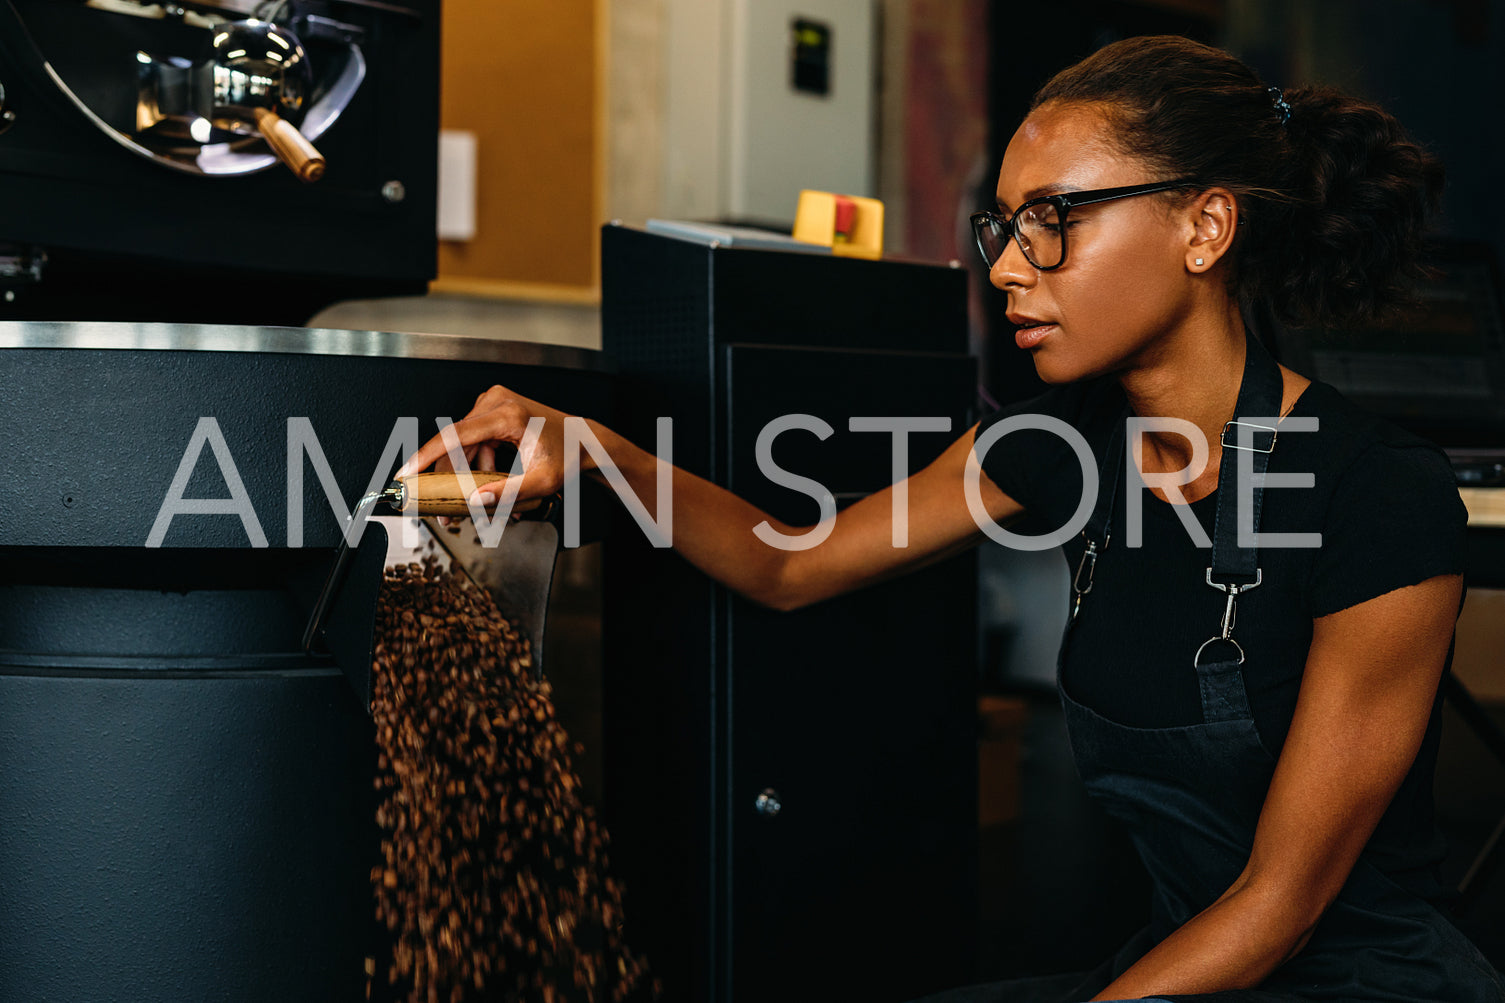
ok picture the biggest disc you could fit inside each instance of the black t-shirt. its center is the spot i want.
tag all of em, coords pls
(1383, 500)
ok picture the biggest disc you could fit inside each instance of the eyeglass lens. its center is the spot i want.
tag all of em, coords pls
(1039, 230)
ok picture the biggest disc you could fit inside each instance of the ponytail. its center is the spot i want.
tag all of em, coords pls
(1362, 190)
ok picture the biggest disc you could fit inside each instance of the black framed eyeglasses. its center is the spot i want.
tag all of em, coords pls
(1039, 225)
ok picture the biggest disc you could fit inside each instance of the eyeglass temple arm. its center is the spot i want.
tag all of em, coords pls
(1109, 194)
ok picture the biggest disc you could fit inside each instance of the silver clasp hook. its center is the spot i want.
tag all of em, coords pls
(1230, 614)
(1085, 567)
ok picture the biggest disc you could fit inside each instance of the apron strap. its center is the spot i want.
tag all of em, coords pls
(1235, 569)
(1259, 397)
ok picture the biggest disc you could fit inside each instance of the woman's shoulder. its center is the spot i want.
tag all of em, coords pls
(1352, 443)
(1391, 513)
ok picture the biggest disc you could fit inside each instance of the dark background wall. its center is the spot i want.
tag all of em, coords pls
(1437, 65)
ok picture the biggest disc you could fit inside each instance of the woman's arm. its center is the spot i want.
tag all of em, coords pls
(1365, 700)
(714, 529)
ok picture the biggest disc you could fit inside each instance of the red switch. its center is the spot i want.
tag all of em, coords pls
(846, 217)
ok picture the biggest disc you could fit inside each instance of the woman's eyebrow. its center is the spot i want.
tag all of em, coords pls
(1052, 189)
(1056, 188)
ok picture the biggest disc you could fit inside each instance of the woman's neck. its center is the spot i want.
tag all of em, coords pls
(1192, 374)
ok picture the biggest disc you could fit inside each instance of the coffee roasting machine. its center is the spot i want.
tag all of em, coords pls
(185, 795)
(215, 161)
(186, 808)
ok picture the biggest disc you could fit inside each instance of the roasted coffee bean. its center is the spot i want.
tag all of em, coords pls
(493, 883)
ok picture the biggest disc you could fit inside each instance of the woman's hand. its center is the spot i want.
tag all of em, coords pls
(499, 417)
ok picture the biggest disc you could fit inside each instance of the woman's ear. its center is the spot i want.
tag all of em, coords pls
(1212, 218)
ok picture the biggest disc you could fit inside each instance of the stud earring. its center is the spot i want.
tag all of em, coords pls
(1199, 261)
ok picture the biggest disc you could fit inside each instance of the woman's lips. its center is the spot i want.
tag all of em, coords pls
(1029, 337)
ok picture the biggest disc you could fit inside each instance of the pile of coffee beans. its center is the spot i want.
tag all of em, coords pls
(493, 882)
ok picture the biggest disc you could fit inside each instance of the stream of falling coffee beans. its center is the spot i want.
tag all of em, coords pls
(493, 883)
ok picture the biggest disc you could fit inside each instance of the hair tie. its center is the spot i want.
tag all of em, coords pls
(1282, 106)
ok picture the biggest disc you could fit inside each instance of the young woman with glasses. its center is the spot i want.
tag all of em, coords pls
(1258, 709)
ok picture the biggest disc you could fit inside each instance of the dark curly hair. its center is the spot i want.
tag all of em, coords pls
(1334, 200)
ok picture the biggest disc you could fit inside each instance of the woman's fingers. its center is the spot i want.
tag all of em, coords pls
(500, 417)
(497, 425)
(526, 487)
(446, 465)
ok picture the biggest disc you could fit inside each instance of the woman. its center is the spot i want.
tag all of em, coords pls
(1262, 719)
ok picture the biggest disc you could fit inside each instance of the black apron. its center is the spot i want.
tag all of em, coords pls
(1190, 796)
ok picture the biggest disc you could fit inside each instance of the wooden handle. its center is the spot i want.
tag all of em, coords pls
(445, 494)
(290, 145)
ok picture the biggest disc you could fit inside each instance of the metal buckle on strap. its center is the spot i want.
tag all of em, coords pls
(1253, 448)
(1086, 566)
(1230, 614)
(1259, 576)
(1081, 582)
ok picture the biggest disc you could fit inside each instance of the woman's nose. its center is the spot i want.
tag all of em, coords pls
(1012, 269)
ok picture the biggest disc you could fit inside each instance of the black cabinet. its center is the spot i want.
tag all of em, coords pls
(792, 796)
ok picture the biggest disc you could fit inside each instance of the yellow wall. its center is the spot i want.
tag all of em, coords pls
(527, 77)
